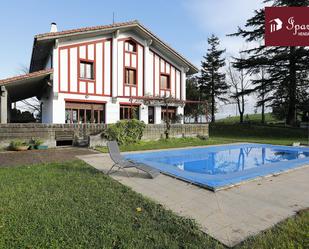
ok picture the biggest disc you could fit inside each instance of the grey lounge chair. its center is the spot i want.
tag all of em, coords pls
(124, 164)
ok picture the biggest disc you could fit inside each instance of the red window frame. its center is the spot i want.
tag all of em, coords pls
(168, 87)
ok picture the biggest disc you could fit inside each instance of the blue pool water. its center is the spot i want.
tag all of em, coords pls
(216, 167)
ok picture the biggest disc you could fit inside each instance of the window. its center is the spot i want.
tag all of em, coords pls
(129, 112)
(165, 81)
(84, 113)
(169, 113)
(86, 70)
(130, 46)
(130, 76)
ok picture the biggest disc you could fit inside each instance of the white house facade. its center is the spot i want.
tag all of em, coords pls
(101, 75)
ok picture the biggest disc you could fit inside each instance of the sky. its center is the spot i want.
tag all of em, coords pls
(183, 24)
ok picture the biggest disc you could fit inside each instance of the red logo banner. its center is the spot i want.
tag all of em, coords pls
(287, 26)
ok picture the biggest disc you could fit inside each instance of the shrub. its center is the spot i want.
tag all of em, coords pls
(125, 131)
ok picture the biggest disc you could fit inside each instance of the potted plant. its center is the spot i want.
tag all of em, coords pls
(32, 144)
(19, 145)
(37, 144)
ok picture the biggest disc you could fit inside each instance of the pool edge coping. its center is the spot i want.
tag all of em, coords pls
(183, 148)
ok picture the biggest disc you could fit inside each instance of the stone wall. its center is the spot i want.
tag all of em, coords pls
(48, 132)
(153, 132)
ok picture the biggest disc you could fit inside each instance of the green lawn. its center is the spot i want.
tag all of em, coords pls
(221, 133)
(258, 133)
(71, 205)
(254, 118)
(290, 234)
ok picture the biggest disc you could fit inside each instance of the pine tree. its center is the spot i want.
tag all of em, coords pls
(287, 67)
(192, 93)
(212, 82)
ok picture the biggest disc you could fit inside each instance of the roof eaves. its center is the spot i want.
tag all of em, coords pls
(25, 76)
(56, 35)
(169, 47)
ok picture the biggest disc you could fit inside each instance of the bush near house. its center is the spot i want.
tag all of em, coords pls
(125, 131)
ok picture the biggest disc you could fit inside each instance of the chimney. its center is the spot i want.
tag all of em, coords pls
(53, 27)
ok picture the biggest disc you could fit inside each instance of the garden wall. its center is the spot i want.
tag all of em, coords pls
(153, 132)
(50, 133)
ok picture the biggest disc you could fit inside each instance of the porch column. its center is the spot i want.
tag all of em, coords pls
(157, 115)
(143, 113)
(3, 105)
(183, 83)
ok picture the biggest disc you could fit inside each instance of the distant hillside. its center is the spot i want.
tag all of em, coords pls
(253, 118)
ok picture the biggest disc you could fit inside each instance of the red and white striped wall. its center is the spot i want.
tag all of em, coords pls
(69, 57)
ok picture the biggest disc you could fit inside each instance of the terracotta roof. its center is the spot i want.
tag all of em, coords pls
(26, 76)
(53, 35)
(94, 28)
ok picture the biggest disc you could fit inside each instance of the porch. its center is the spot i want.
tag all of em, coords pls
(22, 87)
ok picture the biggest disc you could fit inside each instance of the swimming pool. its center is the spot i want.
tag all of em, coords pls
(217, 167)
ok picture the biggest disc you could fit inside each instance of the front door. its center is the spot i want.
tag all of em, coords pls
(151, 115)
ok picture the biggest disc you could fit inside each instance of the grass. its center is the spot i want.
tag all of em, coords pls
(222, 133)
(71, 205)
(290, 234)
(165, 144)
(258, 133)
(254, 118)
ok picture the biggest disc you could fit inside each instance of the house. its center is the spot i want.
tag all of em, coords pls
(100, 75)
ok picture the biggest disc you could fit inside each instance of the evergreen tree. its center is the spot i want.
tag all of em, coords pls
(194, 110)
(287, 67)
(212, 82)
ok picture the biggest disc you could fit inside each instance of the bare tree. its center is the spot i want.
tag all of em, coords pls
(239, 83)
(32, 105)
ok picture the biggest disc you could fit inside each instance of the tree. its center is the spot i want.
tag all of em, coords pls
(17, 116)
(239, 87)
(193, 110)
(211, 81)
(287, 67)
(263, 91)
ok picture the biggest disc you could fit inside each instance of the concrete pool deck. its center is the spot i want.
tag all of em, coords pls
(229, 215)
